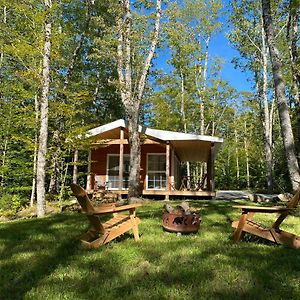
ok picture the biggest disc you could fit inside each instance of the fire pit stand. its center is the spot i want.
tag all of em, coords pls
(182, 221)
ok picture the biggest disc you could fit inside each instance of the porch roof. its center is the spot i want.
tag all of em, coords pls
(188, 146)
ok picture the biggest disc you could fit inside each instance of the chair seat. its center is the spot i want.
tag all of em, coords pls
(273, 233)
(100, 234)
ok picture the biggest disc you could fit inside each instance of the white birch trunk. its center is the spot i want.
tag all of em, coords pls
(247, 155)
(75, 166)
(188, 169)
(267, 124)
(33, 187)
(203, 89)
(237, 157)
(4, 21)
(131, 102)
(43, 136)
(279, 84)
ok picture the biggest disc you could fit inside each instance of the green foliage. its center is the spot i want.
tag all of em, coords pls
(11, 203)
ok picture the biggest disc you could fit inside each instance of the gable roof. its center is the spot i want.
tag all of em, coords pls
(188, 146)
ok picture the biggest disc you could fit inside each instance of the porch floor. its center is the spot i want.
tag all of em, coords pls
(184, 193)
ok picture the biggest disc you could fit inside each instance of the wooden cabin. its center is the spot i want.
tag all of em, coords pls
(162, 156)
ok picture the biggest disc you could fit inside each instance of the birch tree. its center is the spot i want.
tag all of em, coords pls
(132, 87)
(279, 86)
(43, 133)
(249, 38)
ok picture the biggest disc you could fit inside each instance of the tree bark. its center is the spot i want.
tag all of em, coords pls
(75, 166)
(131, 100)
(182, 110)
(202, 89)
(279, 85)
(247, 155)
(43, 136)
(267, 123)
(33, 187)
(4, 21)
(292, 39)
(237, 157)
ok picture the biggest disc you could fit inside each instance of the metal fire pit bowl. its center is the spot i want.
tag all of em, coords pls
(183, 223)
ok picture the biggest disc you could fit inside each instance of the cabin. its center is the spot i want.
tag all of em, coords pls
(163, 154)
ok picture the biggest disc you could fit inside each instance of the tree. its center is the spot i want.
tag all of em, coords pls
(279, 85)
(132, 87)
(43, 133)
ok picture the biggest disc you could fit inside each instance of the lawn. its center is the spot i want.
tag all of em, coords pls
(41, 259)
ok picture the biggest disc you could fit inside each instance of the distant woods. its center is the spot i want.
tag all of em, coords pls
(67, 66)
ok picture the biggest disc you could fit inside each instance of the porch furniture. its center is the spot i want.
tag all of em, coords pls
(191, 183)
(102, 233)
(273, 233)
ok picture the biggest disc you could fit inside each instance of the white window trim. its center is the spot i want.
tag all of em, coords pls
(147, 188)
(107, 165)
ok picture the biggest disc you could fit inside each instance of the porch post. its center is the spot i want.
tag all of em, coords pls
(172, 177)
(89, 179)
(121, 159)
(167, 169)
(210, 170)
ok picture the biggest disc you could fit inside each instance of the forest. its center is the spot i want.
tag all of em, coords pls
(68, 66)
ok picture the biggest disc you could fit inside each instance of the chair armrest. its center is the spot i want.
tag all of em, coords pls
(105, 210)
(263, 209)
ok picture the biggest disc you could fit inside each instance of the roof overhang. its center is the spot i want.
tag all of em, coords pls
(188, 147)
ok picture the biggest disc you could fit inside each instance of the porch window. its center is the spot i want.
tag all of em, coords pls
(113, 171)
(156, 172)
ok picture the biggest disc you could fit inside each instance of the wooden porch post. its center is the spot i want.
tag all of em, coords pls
(167, 169)
(210, 170)
(172, 177)
(121, 159)
(89, 179)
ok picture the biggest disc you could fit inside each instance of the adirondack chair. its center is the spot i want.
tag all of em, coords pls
(100, 234)
(273, 233)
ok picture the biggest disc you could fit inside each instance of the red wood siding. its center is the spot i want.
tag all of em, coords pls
(99, 159)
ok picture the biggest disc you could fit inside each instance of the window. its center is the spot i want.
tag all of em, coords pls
(156, 173)
(113, 171)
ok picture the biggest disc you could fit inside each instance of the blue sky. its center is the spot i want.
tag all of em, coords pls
(219, 46)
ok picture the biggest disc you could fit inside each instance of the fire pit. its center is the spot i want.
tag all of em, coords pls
(183, 219)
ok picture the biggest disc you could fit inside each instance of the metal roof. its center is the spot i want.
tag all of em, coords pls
(188, 146)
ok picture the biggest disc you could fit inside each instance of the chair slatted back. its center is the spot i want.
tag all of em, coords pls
(291, 204)
(82, 198)
(86, 206)
(295, 200)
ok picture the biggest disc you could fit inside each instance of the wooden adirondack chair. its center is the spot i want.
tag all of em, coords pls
(100, 234)
(273, 233)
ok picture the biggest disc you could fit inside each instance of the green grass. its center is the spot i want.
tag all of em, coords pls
(41, 259)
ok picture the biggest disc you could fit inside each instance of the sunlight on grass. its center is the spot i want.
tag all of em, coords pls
(42, 259)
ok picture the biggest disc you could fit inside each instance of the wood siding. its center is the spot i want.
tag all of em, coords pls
(99, 160)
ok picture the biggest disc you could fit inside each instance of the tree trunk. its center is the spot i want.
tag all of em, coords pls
(279, 84)
(43, 136)
(203, 88)
(292, 39)
(247, 156)
(130, 100)
(4, 21)
(135, 156)
(237, 158)
(182, 110)
(33, 187)
(267, 123)
(75, 167)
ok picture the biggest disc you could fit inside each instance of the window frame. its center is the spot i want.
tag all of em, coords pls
(163, 187)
